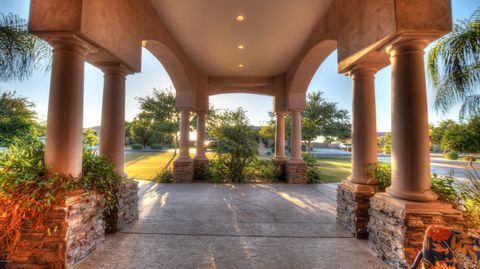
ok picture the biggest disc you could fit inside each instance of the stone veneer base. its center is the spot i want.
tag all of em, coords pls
(127, 207)
(353, 202)
(396, 227)
(296, 172)
(76, 229)
(281, 167)
(183, 170)
(200, 168)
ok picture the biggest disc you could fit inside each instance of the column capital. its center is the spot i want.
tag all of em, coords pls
(69, 42)
(407, 43)
(281, 113)
(112, 68)
(363, 70)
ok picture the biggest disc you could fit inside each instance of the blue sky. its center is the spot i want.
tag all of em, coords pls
(337, 87)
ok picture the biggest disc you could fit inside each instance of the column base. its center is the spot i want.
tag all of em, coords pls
(396, 227)
(296, 172)
(353, 202)
(76, 230)
(200, 168)
(127, 207)
(182, 170)
(281, 168)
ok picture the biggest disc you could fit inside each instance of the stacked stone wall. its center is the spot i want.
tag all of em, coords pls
(183, 170)
(126, 211)
(296, 172)
(352, 210)
(396, 234)
(69, 233)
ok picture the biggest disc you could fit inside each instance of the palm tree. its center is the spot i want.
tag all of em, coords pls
(454, 68)
(20, 51)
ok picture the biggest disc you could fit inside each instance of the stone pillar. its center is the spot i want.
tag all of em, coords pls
(353, 196)
(112, 134)
(410, 139)
(183, 166)
(399, 218)
(296, 167)
(200, 162)
(280, 162)
(64, 138)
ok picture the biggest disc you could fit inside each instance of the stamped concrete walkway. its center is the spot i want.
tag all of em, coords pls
(234, 226)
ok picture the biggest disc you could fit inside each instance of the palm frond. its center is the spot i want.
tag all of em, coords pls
(454, 64)
(20, 51)
(470, 107)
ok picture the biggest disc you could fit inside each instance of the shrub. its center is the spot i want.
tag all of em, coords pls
(156, 146)
(470, 193)
(165, 176)
(137, 147)
(265, 169)
(469, 158)
(313, 170)
(236, 146)
(381, 173)
(443, 186)
(100, 176)
(451, 155)
(28, 192)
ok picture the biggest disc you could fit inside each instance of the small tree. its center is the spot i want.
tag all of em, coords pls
(387, 143)
(437, 132)
(235, 146)
(463, 138)
(17, 117)
(89, 137)
(267, 132)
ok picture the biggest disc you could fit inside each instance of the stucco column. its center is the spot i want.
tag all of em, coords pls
(200, 153)
(184, 134)
(410, 140)
(296, 135)
(280, 136)
(64, 138)
(364, 125)
(112, 134)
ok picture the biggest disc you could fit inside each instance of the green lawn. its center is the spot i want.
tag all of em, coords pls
(334, 169)
(146, 165)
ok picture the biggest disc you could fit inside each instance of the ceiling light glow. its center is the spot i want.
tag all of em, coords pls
(240, 18)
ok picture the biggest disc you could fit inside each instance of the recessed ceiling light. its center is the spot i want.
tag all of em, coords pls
(240, 18)
(241, 47)
(241, 65)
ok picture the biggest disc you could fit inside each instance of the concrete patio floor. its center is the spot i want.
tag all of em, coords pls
(234, 226)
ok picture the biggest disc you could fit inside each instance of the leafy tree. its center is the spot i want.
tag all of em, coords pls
(235, 144)
(462, 138)
(323, 118)
(267, 132)
(159, 109)
(141, 130)
(454, 68)
(387, 143)
(437, 132)
(90, 137)
(17, 117)
(20, 51)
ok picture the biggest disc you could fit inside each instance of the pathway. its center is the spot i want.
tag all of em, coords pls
(234, 226)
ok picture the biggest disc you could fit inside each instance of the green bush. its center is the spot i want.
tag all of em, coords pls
(313, 170)
(469, 158)
(265, 169)
(470, 193)
(381, 173)
(137, 147)
(156, 146)
(100, 176)
(165, 176)
(443, 186)
(451, 155)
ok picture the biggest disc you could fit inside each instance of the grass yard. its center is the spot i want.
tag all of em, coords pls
(146, 165)
(334, 169)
